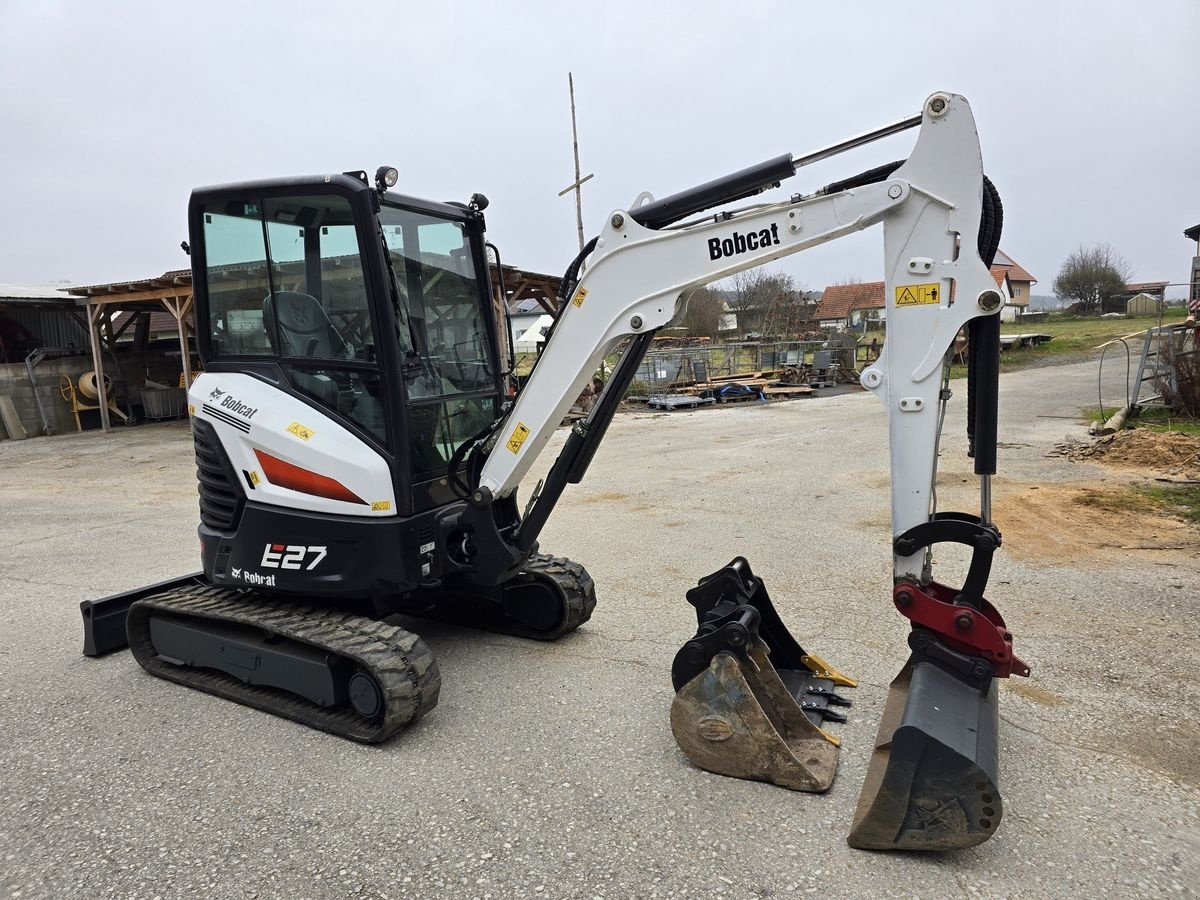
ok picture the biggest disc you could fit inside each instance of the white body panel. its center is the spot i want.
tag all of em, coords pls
(249, 414)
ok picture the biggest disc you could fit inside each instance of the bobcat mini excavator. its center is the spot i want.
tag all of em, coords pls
(358, 458)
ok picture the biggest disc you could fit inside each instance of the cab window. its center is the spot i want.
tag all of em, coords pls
(285, 280)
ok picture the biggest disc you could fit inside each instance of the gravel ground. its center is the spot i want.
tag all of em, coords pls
(550, 771)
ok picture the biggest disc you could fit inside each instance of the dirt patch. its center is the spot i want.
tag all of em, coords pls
(1168, 452)
(1071, 523)
(605, 497)
(1040, 696)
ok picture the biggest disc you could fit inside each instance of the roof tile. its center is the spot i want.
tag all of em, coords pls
(839, 299)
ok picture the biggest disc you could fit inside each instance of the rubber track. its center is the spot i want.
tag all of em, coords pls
(402, 665)
(571, 581)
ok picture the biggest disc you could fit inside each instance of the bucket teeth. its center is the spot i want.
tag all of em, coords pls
(931, 782)
(750, 702)
(822, 669)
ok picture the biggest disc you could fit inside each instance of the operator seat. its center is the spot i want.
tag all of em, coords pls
(305, 330)
(303, 327)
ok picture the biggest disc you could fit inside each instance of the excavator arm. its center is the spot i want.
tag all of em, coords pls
(932, 782)
(638, 280)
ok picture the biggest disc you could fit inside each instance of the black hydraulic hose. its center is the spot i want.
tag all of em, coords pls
(461, 488)
(571, 276)
(566, 287)
(871, 176)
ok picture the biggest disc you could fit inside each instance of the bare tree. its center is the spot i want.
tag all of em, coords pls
(752, 294)
(1091, 276)
(703, 314)
(788, 313)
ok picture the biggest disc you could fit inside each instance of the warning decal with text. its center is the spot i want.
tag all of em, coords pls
(917, 294)
(518, 438)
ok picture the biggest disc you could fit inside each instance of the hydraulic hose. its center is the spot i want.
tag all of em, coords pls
(566, 287)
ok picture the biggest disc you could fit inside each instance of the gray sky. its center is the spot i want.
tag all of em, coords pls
(111, 112)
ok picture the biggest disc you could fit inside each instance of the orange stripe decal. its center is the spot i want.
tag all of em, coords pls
(294, 478)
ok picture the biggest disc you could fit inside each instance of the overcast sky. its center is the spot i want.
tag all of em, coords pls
(110, 112)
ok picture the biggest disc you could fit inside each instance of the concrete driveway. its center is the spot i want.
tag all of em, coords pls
(550, 771)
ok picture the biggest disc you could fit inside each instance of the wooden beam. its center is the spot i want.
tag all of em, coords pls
(140, 296)
(98, 364)
(129, 320)
(517, 294)
(183, 345)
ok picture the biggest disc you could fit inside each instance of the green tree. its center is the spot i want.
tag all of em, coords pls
(1091, 276)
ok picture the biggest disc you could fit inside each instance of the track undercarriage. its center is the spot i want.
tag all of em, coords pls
(351, 675)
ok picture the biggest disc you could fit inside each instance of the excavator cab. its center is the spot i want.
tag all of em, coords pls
(331, 307)
(372, 307)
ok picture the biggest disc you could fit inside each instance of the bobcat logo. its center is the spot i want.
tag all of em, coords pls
(237, 573)
(216, 394)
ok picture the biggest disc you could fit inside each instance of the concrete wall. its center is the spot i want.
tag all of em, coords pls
(160, 364)
(14, 381)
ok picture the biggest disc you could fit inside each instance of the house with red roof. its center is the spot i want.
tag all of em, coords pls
(849, 306)
(1019, 281)
(846, 306)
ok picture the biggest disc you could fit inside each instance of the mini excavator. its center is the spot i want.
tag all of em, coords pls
(358, 458)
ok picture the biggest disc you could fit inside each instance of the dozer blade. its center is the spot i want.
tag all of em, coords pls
(931, 783)
(750, 702)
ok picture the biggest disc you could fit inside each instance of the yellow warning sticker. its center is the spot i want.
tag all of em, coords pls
(300, 431)
(580, 296)
(917, 294)
(254, 478)
(518, 438)
(191, 409)
(381, 506)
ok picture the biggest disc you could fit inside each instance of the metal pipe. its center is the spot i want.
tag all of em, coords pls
(857, 141)
(30, 362)
(985, 499)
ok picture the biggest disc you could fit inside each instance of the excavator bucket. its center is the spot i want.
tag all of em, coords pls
(750, 702)
(931, 783)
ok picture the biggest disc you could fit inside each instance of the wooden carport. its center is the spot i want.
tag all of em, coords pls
(522, 285)
(171, 290)
(519, 285)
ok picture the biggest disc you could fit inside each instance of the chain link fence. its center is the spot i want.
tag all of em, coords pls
(664, 370)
